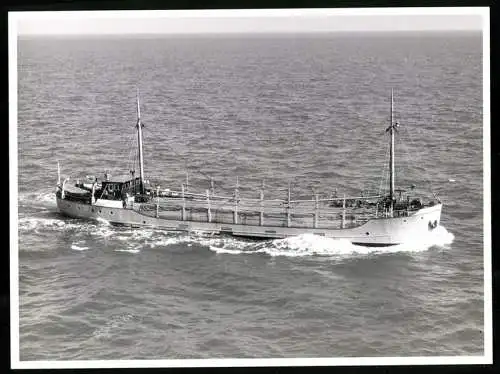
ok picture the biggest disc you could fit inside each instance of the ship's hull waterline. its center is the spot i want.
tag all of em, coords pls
(377, 232)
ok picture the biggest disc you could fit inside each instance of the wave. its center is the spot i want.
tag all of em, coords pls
(43, 199)
(102, 221)
(36, 223)
(78, 248)
(128, 250)
(115, 322)
(170, 241)
(229, 251)
(297, 246)
(314, 245)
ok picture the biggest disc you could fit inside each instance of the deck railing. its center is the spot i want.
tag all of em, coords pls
(308, 213)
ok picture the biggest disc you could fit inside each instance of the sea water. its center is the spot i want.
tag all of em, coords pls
(306, 110)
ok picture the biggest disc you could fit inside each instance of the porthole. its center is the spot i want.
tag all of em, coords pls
(404, 220)
(111, 212)
(100, 211)
(367, 233)
(93, 210)
(143, 221)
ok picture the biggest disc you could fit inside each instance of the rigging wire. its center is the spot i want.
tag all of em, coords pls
(385, 175)
(405, 153)
(132, 156)
(407, 136)
(196, 169)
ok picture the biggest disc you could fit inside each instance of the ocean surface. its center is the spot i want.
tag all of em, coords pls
(307, 110)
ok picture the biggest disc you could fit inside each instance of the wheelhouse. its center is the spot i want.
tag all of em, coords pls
(118, 187)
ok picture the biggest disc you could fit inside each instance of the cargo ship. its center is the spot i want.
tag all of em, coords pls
(380, 220)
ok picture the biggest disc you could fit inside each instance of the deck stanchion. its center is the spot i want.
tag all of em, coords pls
(316, 211)
(92, 199)
(58, 174)
(62, 188)
(183, 204)
(343, 214)
(236, 199)
(157, 201)
(261, 221)
(212, 188)
(209, 212)
(288, 215)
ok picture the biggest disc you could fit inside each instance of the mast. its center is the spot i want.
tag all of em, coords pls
(392, 128)
(58, 174)
(392, 147)
(139, 127)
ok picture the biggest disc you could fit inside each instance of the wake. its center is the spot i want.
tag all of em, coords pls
(133, 240)
(314, 245)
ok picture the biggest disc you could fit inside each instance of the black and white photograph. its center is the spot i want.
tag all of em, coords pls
(251, 187)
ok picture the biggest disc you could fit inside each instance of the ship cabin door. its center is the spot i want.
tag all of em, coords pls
(112, 190)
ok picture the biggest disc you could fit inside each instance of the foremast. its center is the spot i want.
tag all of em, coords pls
(139, 127)
(392, 129)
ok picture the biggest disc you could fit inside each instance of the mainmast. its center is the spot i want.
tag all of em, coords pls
(392, 128)
(139, 127)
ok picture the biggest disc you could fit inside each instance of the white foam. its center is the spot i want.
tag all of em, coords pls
(141, 234)
(78, 248)
(128, 250)
(310, 244)
(47, 199)
(103, 232)
(151, 237)
(314, 245)
(115, 322)
(103, 221)
(439, 237)
(121, 238)
(228, 251)
(442, 237)
(56, 224)
(34, 223)
(296, 246)
(167, 241)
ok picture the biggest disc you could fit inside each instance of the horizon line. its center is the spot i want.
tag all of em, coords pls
(228, 33)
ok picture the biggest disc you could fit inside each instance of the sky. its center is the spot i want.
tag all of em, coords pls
(248, 21)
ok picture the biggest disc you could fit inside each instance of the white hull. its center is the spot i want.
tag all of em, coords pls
(375, 232)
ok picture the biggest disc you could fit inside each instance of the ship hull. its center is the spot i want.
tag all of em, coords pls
(377, 232)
